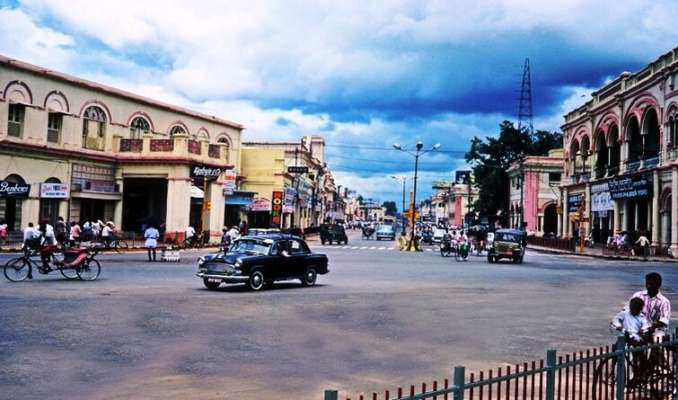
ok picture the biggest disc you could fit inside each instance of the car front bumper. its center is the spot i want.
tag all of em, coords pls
(224, 278)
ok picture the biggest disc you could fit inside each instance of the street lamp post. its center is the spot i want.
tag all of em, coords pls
(412, 246)
(402, 179)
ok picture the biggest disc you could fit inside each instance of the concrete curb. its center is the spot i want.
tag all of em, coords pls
(601, 256)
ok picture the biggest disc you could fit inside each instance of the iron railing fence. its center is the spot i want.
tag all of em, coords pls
(617, 372)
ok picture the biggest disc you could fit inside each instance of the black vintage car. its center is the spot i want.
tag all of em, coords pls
(333, 233)
(261, 260)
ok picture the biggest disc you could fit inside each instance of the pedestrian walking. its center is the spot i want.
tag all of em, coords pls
(644, 243)
(4, 232)
(61, 231)
(75, 233)
(151, 235)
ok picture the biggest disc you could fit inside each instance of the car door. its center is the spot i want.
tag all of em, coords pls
(279, 265)
(298, 253)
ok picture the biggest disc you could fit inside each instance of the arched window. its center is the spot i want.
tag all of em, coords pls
(177, 130)
(138, 128)
(93, 127)
(651, 141)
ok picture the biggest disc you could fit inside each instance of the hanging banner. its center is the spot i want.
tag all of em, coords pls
(276, 208)
(54, 191)
(290, 200)
(631, 187)
(229, 182)
(601, 201)
(14, 190)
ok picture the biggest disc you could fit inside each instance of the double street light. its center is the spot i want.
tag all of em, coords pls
(419, 151)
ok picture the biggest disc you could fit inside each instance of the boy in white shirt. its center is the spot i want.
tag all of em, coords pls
(633, 321)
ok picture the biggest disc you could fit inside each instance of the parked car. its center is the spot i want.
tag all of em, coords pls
(507, 243)
(386, 232)
(438, 234)
(333, 233)
(258, 261)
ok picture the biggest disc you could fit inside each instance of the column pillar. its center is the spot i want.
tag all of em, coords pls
(655, 209)
(178, 206)
(215, 215)
(674, 212)
(635, 215)
(624, 219)
(566, 217)
(615, 217)
(117, 208)
(587, 207)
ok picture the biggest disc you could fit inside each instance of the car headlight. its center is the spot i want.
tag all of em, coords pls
(201, 261)
(237, 264)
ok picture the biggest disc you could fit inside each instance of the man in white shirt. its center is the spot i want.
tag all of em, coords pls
(632, 321)
(657, 308)
(190, 234)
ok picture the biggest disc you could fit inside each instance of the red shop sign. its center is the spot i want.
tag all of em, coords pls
(276, 208)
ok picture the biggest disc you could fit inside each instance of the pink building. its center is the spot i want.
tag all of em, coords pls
(534, 192)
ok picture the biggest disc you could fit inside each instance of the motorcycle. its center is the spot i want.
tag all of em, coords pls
(462, 252)
(446, 249)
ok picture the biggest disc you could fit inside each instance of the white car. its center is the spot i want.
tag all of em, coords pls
(438, 235)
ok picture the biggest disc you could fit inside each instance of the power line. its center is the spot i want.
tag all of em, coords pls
(361, 147)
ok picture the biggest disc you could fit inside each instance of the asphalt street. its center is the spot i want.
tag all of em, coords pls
(379, 319)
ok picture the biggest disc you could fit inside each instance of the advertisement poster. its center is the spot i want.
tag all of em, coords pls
(229, 182)
(54, 191)
(276, 208)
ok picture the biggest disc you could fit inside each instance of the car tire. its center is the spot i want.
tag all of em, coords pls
(256, 281)
(310, 277)
(210, 285)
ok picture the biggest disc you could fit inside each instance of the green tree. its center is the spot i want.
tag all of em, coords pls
(491, 158)
(391, 208)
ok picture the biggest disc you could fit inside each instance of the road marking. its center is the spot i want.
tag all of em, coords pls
(382, 248)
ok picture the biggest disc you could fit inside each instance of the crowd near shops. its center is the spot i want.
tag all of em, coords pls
(108, 163)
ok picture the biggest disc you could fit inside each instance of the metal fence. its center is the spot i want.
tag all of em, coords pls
(553, 243)
(617, 372)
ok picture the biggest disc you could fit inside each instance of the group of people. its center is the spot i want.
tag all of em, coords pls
(622, 241)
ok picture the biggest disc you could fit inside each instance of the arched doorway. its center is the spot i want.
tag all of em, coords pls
(650, 134)
(49, 207)
(10, 207)
(615, 150)
(550, 220)
(635, 141)
(601, 155)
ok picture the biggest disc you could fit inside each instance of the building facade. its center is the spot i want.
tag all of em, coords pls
(86, 151)
(621, 158)
(452, 204)
(534, 193)
(306, 195)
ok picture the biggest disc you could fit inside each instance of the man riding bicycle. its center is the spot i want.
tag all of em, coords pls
(657, 308)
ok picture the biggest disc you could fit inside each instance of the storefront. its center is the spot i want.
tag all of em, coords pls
(52, 193)
(602, 208)
(259, 213)
(13, 191)
(235, 206)
(575, 203)
(94, 193)
(202, 177)
(633, 194)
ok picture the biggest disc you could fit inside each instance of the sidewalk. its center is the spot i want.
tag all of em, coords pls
(598, 253)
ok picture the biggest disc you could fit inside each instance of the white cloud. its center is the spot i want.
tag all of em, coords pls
(23, 39)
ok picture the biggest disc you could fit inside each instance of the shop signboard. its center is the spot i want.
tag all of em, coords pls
(260, 204)
(290, 200)
(229, 182)
(294, 169)
(204, 171)
(277, 208)
(54, 191)
(631, 187)
(574, 201)
(14, 190)
(601, 199)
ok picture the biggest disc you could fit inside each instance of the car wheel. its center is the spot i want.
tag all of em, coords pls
(256, 281)
(310, 277)
(210, 285)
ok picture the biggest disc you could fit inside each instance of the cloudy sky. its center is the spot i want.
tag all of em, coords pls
(363, 74)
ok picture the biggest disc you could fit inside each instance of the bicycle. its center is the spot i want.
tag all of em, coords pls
(72, 264)
(116, 243)
(648, 373)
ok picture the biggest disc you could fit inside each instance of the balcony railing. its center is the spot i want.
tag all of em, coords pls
(131, 145)
(651, 162)
(632, 166)
(194, 147)
(162, 145)
(600, 171)
(93, 143)
(214, 151)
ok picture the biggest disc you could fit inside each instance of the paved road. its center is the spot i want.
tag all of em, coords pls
(380, 318)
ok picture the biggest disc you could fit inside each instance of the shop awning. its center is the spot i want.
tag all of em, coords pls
(239, 198)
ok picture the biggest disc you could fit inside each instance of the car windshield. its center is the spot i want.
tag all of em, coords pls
(386, 228)
(439, 232)
(507, 237)
(251, 246)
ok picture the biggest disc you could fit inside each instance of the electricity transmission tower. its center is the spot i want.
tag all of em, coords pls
(525, 105)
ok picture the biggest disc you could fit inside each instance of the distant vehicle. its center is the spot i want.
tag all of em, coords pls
(438, 235)
(386, 232)
(389, 220)
(262, 260)
(330, 233)
(507, 243)
(262, 231)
